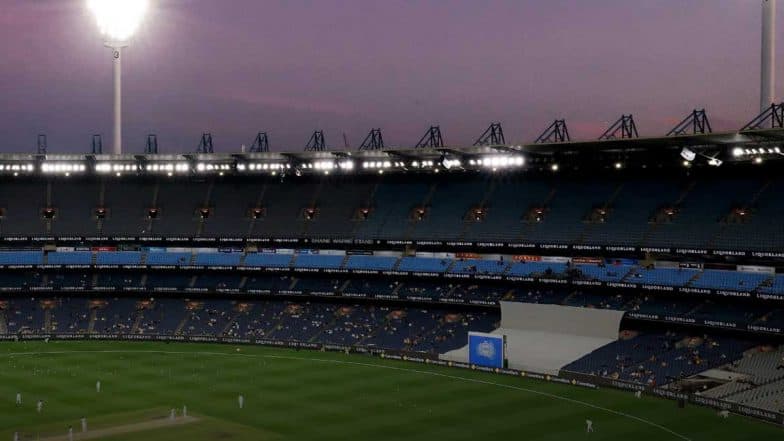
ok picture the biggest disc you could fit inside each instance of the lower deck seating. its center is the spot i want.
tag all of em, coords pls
(409, 328)
(658, 359)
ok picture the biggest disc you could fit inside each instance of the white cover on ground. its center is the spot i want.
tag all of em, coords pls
(544, 338)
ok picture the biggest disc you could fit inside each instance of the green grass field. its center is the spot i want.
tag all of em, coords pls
(302, 395)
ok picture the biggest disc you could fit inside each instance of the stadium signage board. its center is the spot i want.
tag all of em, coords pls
(391, 244)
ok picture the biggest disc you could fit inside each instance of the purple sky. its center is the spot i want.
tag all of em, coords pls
(235, 67)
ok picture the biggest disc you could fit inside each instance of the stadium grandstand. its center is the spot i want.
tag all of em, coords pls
(532, 283)
(410, 251)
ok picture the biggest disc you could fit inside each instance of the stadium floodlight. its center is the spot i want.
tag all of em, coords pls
(118, 20)
(688, 155)
(346, 165)
(716, 162)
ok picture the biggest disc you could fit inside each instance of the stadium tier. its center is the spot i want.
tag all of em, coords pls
(431, 330)
(680, 309)
(744, 280)
(704, 211)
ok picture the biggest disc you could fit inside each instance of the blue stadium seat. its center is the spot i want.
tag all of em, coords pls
(424, 264)
(479, 266)
(118, 258)
(318, 261)
(218, 259)
(606, 273)
(379, 263)
(730, 280)
(269, 260)
(70, 258)
(164, 258)
(530, 269)
(662, 276)
(21, 257)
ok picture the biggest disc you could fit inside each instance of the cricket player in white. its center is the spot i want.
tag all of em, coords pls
(241, 401)
(172, 414)
(98, 386)
(18, 399)
(70, 433)
(39, 406)
(84, 424)
(588, 426)
(185, 411)
(724, 414)
(16, 436)
(638, 394)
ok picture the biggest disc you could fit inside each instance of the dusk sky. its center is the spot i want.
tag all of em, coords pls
(237, 67)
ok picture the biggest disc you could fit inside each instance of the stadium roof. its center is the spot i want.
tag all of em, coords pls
(739, 146)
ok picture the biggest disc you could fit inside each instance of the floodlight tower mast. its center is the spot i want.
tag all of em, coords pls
(117, 48)
(768, 65)
(118, 21)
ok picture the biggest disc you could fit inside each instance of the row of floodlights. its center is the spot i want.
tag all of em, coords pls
(62, 167)
(498, 161)
(262, 167)
(17, 168)
(740, 152)
(67, 167)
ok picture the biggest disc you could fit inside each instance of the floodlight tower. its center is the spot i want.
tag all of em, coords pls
(768, 67)
(118, 21)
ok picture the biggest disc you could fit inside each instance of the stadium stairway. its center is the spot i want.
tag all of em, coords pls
(767, 283)
(278, 320)
(425, 203)
(468, 223)
(330, 325)
(201, 220)
(342, 288)
(678, 202)
(47, 319)
(751, 203)
(693, 279)
(368, 203)
(230, 323)
(528, 226)
(91, 324)
(182, 324)
(3, 322)
(314, 202)
(606, 206)
(137, 321)
(566, 301)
